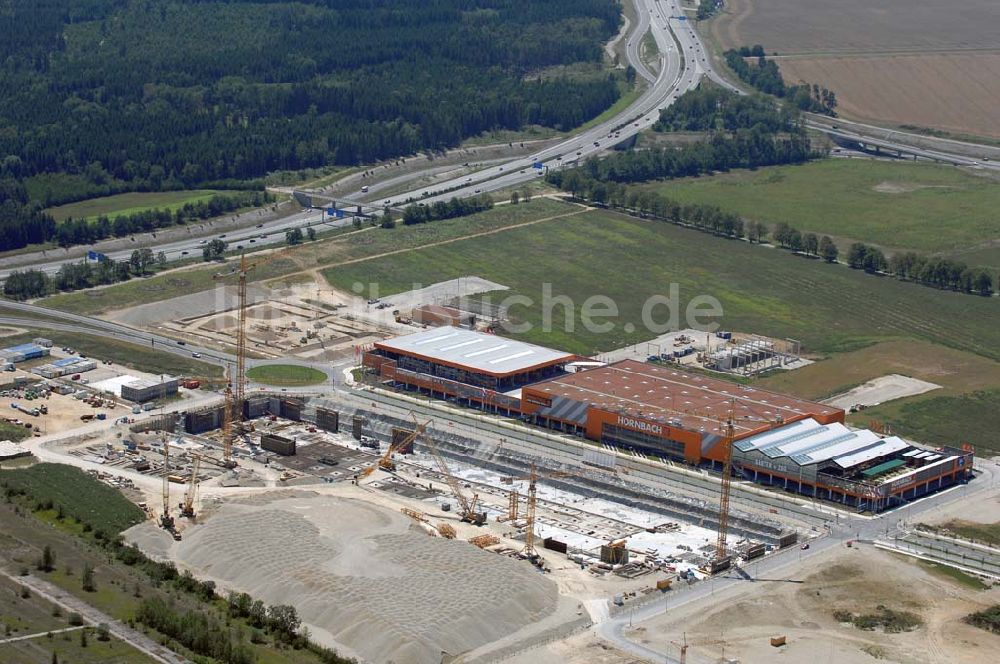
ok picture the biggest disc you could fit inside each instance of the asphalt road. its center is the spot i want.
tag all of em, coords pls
(21, 314)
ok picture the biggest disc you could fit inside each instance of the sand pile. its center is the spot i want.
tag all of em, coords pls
(363, 576)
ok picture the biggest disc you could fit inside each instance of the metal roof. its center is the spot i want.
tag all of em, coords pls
(886, 447)
(25, 348)
(475, 351)
(785, 434)
(680, 400)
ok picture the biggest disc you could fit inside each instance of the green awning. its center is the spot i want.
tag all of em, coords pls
(883, 468)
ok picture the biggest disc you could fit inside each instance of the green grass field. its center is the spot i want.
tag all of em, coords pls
(828, 307)
(81, 496)
(988, 533)
(286, 375)
(310, 255)
(832, 310)
(956, 575)
(130, 203)
(901, 205)
(931, 418)
(13, 432)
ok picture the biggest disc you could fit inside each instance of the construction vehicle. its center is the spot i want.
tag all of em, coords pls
(187, 507)
(385, 462)
(467, 506)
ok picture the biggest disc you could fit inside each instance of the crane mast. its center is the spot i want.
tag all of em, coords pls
(166, 521)
(727, 471)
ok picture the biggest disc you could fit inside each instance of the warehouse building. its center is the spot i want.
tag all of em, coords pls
(660, 411)
(64, 367)
(854, 467)
(663, 413)
(23, 353)
(141, 391)
(481, 369)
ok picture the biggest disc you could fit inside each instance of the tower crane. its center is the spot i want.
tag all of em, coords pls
(683, 648)
(166, 521)
(239, 382)
(532, 477)
(187, 507)
(729, 435)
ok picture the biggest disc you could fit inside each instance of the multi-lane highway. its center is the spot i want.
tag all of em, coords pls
(266, 233)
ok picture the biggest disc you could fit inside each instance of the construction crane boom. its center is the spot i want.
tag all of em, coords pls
(166, 521)
(239, 382)
(727, 471)
(385, 462)
(187, 507)
(467, 505)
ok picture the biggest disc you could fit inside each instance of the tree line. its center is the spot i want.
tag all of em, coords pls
(85, 231)
(744, 148)
(32, 283)
(764, 75)
(934, 271)
(23, 224)
(137, 95)
(421, 213)
(711, 108)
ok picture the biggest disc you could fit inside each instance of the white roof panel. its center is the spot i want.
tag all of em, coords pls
(886, 447)
(474, 350)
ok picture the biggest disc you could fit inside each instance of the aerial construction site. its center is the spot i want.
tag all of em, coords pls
(526, 494)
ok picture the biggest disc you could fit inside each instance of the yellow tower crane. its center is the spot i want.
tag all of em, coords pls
(236, 393)
(385, 462)
(467, 506)
(532, 503)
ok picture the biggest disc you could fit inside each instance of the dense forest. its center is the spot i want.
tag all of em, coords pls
(104, 96)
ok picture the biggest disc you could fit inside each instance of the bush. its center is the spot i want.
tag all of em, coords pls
(75, 619)
(988, 619)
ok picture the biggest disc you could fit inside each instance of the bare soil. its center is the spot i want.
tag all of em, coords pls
(903, 62)
(856, 580)
(955, 92)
